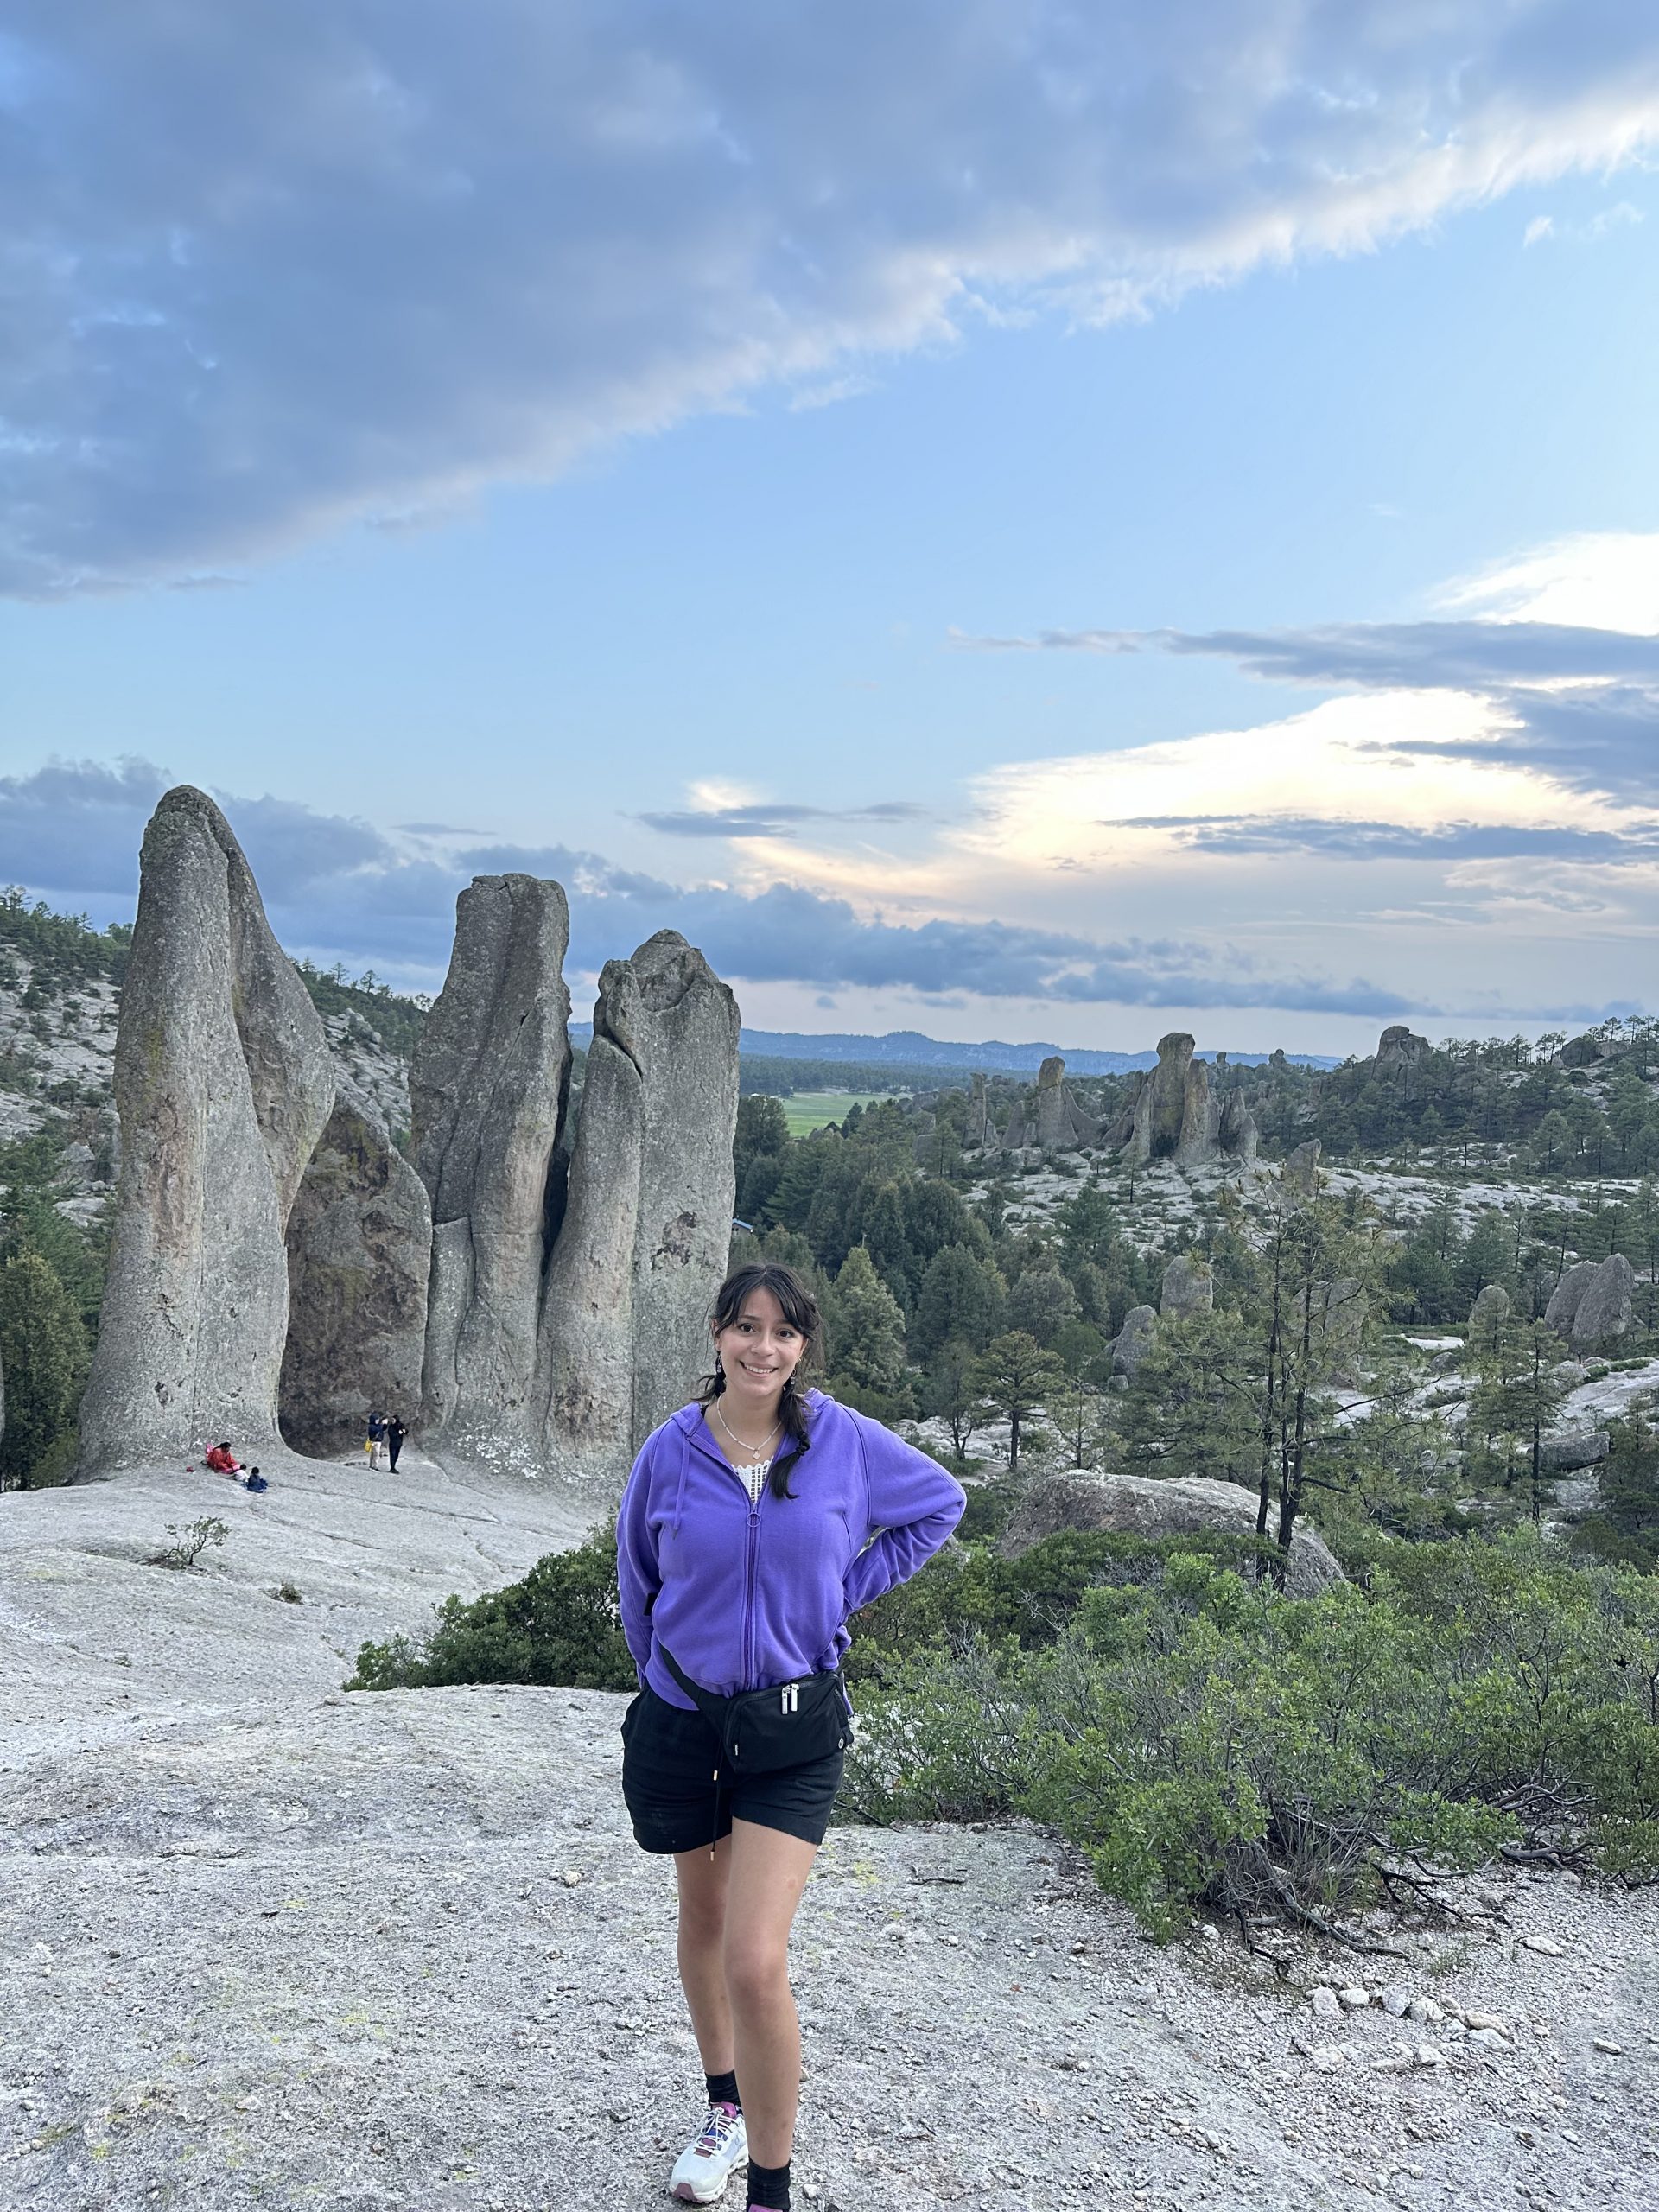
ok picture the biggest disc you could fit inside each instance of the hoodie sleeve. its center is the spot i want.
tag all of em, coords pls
(912, 1507)
(637, 1578)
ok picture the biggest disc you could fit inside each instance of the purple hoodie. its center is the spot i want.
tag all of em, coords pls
(747, 1597)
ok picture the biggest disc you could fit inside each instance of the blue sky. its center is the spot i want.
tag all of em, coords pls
(991, 520)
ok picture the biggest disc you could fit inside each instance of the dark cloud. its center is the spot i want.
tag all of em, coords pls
(1368, 841)
(764, 821)
(356, 259)
(74, 826)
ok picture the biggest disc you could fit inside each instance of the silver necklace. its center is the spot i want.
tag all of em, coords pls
(741, 1443)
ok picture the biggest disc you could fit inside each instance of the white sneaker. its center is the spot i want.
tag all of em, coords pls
(703, 2168)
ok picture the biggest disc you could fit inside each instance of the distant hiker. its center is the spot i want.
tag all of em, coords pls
(255, 1480)
(395, 1435)
(221, 1460)
(732, 1749)
(375, 1438)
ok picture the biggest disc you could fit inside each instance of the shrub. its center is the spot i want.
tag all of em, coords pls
(559, 1627)
(1210, 1743)
(190, 1542)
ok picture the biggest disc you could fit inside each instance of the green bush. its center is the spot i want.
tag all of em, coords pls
(559, 1627)
(967, 1591)
(1210, 1743)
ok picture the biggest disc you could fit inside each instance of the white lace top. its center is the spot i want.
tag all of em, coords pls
(756, 1478)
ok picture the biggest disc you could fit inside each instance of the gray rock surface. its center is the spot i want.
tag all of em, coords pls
(359, 1250)
(1134, 1340)
(1053, 1120)
(1138, 1506)
(1160, 1103)
(1301, 1171)
(1572, 1450)
(223, 1081)
(1401, 1054)
(488, 1084)
(1603, 1311)
(264, 1944)
(646, 1233)
(1562, 1313)
(1490, 1311)
(979, 1131)
(1180, 1115)
(1188, 1285)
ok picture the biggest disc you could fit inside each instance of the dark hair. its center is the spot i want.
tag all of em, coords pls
(800, 1310)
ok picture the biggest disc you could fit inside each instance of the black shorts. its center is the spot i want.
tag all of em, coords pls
(668, 1768)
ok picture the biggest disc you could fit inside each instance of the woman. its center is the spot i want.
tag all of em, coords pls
(755, 1520)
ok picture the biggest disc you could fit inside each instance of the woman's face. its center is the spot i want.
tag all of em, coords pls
(759, 1351)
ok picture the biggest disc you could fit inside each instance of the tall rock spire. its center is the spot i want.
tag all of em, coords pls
(223, 1082)
(644, 1240)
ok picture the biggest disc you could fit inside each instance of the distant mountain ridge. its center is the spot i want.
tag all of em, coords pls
(909, 1048)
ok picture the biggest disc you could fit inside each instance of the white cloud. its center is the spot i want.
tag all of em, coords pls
(1598, 580)
(353, 262)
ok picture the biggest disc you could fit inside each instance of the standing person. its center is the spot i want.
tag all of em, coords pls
(755, 1520)
(396, 1433)
(371, 1442)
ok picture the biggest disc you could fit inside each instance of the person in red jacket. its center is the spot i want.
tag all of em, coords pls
(222, 1460)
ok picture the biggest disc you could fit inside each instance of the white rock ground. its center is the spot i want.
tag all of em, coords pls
(266, 1944)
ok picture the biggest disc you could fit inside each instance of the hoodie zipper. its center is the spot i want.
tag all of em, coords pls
(748, 1592)
(752, 1548)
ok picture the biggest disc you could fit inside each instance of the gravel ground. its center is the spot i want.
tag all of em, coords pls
(263, 1943)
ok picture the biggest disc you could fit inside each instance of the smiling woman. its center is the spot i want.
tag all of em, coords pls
(754, 1523)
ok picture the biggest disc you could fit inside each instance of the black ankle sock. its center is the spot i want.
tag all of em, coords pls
(769, 2185)
(722, 2088)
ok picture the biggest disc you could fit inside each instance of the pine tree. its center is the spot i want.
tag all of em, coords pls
(865, 1326)
(1041, 1301)
(42, 1355)
(1018, 1378)
(961, 1296)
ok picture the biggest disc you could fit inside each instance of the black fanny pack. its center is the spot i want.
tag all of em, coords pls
(762, 1730)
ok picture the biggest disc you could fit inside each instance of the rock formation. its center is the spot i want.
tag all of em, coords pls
(360, 1250)
(1137, 1505)
(1160, 1103)
(1488, 1312)
(487, 1086)
(274, 1255)
(1180, 1116)
(979, 1132)
(1591, 1304)
(1588, 1051)
(1300, 1171)
(223, 1081)
(1399, 1054)
(645, 1231)
(1573, 1449)
(1188, 1287)
(1053, 1120)
(1134, 1340)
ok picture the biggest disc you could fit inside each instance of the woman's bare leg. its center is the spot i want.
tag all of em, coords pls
(768, 1872)
(703, 1883)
